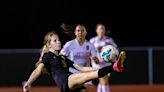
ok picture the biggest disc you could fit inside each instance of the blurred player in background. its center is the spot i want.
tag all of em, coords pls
(79, 50)
(99, 41)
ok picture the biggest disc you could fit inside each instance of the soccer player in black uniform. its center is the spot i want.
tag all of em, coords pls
(57, 65)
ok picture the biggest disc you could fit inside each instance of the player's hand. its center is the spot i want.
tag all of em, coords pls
(95, 59)
(26, 87)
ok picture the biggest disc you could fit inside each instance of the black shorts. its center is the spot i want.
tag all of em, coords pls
(65, 87)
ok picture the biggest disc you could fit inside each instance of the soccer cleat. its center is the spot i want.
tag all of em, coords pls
(119, 64)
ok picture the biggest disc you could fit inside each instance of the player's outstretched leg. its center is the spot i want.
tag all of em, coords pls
(80, 78)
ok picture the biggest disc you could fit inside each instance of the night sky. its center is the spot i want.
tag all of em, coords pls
(23, 24)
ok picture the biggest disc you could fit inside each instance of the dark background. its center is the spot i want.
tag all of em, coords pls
(23, 24)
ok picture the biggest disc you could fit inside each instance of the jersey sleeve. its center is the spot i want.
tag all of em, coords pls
(93, 50)
(47, 57)
(91, 40)
(110, 41)
(65, 50)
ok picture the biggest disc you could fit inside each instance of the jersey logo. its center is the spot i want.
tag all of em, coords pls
(87, 47)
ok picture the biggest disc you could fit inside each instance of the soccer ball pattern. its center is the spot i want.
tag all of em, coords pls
(109, 53)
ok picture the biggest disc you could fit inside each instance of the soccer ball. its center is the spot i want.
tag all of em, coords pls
(109, 53)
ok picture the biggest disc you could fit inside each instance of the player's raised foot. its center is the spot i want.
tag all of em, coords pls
(119, 64)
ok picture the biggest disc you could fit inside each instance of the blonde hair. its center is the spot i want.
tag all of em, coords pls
(47, 40)
(45, 48)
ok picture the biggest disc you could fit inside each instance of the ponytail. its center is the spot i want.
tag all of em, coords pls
(42, 51)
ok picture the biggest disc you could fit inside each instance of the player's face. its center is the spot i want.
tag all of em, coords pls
(80, 32)
(55, 43)
(100, 30)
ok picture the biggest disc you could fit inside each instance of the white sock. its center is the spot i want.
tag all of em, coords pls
(99, 88)
(108, 88)
(105, 88)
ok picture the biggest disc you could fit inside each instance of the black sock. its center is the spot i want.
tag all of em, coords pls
(105, 70)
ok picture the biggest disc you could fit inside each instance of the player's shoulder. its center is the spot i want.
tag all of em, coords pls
(107, 37)
(48, 54)
(89, 43)
(69, 43)
(93, 39)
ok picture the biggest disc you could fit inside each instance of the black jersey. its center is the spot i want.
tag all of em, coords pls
(58, 67)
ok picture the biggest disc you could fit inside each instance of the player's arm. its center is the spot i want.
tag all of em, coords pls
(93, 54)
(94, 59)
(84, 69)
(34, 75)
(65, 50)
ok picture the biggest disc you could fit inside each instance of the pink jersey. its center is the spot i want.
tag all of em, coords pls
(98, 45)
(79, 54)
